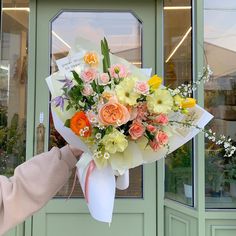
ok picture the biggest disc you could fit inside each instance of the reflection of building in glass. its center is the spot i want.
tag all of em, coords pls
(220, 99)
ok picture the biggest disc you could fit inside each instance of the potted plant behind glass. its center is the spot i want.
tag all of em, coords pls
(180, 172)
(12, 147)
(230, 173)
(214, 165)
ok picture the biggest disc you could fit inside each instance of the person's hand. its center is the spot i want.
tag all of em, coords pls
(76, 152)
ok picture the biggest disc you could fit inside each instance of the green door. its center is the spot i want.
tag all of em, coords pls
(130, 28)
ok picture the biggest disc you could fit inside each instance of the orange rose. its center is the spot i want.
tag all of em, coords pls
(113, 113)
(80, 124)
(91, 58)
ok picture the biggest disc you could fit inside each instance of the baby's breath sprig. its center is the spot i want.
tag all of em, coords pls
(229, 148)
(186, 90)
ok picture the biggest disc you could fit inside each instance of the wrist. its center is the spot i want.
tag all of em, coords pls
(75, 151)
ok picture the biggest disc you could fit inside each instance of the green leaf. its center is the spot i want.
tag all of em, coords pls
(67, 123)
(150, 136)
(109, 129)
(107, 52)
(94, 86)
(106, 56)
(77, 78)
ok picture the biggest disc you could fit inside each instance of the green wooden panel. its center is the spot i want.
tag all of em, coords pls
(179, 224)
(221, 227)
(79, 224)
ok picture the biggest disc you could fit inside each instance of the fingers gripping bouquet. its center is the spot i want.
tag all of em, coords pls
(120, 117)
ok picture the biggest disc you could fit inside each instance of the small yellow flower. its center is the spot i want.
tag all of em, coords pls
(188, 103)
(91, 58)
(114, 142)
(107, 95)
(154, 82)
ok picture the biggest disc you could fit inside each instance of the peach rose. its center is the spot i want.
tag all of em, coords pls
(136, 130)
(113, 113)
(151, 128)
(162, 137)
(154, 145)
(162, 119)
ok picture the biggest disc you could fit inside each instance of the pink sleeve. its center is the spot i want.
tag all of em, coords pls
(34, 183)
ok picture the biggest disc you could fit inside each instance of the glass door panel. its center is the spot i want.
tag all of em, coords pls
(178, 70)
(220, 100)
(13, 84)
(124, 34)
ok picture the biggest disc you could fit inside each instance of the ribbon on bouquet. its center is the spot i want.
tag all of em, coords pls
(91, 168)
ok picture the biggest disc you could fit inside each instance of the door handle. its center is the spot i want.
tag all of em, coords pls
(40, 135)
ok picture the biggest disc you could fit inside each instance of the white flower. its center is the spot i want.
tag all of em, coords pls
(106, 155)
(98, 135)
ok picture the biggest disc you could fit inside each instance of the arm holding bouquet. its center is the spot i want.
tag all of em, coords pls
(34, 183)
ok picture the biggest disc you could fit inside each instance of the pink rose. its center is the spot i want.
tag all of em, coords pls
(162, 119)
(142, 87)
(154, 145)
(88, 90)
(118, 71)
(104, 79)
(151, 128)
(136, 130)
(162, 137)
(88, 75)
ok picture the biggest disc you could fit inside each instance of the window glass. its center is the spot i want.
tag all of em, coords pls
(124, 33)
(178, 70)
(13, 84)
(220, 100)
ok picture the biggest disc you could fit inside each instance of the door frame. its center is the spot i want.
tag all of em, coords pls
(32, 117)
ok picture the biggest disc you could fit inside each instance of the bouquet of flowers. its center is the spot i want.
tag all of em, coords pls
(120, 116)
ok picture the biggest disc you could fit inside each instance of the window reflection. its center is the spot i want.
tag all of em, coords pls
(220, 100)
(178, 70)
(13, 84)
(123, 32)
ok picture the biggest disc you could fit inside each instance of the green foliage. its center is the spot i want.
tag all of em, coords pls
(77, 78)
(106, 57)
(67, 123)
(230, 167)
(12, 143)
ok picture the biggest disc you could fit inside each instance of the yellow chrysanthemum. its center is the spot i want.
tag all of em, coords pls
(126, 93)
(91, 58)
(114, 142)
(160, 101)
(154, 82)
(188, 103)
